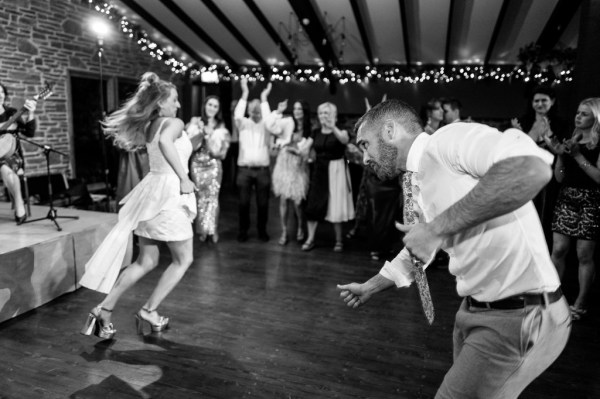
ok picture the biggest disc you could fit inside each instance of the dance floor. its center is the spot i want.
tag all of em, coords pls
(258, 320)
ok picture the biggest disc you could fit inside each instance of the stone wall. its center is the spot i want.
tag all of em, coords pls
(45, 40)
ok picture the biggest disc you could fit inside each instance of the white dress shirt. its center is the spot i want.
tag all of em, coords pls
(499, 258)
(253, 137)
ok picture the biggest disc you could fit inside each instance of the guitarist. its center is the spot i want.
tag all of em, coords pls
(12, 166)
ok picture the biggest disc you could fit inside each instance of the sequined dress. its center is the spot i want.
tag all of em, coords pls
(155, 209)
(207, 172)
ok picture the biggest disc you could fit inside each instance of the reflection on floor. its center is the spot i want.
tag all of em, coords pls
(260, 320)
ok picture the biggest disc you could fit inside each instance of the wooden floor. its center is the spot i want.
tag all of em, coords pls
(256, 320)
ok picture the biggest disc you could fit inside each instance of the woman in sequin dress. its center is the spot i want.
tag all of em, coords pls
(577, 211)
(290, 174)
(206, 168)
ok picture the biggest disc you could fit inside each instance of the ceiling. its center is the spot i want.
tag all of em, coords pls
(340, 33)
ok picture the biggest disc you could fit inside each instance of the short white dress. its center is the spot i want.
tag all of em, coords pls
(154, 209)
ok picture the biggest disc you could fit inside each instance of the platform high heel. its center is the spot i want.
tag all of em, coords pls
(163, 322)
(20, 219)
(94, 325)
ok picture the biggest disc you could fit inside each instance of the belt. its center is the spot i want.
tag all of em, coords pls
(518, 301)
(254, 167)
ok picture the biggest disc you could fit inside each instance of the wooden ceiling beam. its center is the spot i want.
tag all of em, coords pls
(139, 10)
(559, 20)
(404, 21)
(198, 31)
(449, 32)
(496, 32)
(315, 30)
(270, 30)
(234, 31)
(362, 29)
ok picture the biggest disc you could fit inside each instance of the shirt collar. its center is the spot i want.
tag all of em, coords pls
(416, 152)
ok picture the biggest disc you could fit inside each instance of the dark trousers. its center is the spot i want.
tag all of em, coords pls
(258, 178)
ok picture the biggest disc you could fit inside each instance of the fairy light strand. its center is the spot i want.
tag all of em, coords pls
(342, 75)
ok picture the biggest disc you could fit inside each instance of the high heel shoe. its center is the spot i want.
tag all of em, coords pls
(163, 322)
(94, 324)
(300, 235)
(308, 246)
(20, 219)
(283, 240)
(338, 247)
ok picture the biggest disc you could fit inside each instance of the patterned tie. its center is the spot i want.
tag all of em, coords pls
(411, 216)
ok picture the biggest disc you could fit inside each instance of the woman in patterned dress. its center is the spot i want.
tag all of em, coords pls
(577, 211)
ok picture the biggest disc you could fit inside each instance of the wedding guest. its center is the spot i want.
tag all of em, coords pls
(468, 188)
(577, 212)
(158, 210)
(11, 166)
(330, 191)
(211, 141)
(433, 115)
(290, 174)
(253, 161)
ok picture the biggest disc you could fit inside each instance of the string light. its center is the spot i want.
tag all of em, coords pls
(358, 74)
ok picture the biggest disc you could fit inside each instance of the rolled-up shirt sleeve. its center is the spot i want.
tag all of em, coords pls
(474, 148)
(265, 110)
(238, 113)
(273, 124)
(399, 270)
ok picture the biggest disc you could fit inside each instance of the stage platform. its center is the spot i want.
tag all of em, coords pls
(39, 263)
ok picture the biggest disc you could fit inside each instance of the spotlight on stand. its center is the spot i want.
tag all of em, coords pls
(101, 29)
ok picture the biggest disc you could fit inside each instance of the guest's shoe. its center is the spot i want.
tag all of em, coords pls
(300, 235)
(242, 237)
(202, 237)
(338, 247)
(374, 255)
(95, 325)
(215, 238)
(283, 240)
(308, 246)
(263, 236)
(351, 234)
(141, 317)
(20, 219)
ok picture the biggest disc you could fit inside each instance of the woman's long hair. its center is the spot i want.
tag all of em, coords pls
(218, 116)
(127, 125)
(594, 104)
(306, 125)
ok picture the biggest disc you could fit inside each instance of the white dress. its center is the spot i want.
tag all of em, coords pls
(154, 209)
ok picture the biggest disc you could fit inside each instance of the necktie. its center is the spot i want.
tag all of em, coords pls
(411, 216)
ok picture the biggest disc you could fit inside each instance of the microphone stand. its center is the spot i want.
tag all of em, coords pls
(52, 214)
(100, 52)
